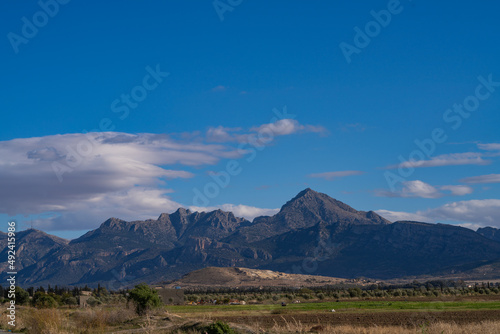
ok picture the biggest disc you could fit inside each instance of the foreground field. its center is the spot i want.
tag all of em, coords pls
(356, 317)
(405, 314)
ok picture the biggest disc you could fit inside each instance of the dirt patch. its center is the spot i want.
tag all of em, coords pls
(367, 319)
(245, 277)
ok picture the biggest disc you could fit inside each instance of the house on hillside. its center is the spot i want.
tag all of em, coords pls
(83, 298)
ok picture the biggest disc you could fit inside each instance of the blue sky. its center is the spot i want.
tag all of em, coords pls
(233, 68)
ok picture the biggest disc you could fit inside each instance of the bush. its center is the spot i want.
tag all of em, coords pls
(219, 327)
(22, 296)
(93, 301)
(42, 300)
(144, 298)
(69, 299)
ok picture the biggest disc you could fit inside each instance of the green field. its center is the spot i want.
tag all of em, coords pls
(345, 306)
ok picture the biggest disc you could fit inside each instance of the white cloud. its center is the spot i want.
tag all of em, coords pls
(415, 188)
(455, 159)
(285, 127)
(79, 180)
(490, 178)
(473, 213)
(458, 190)
(245, 211)
(88, 213)
(421, 189)
(398, 216)
(92, 165)
(334, 175)
(489, 147)
(260, 135)
(486, 211)
(222, 134)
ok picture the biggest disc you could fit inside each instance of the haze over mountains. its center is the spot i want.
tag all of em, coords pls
(311, 234)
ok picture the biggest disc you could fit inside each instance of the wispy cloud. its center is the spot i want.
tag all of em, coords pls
(240, 210)
(262, 133)
(353, 127)
(219, 88)
(399, 216)
(454, 159)
(490, 178)
(422, 189)
(489, 146)
(475, 213)
(335, 175)
(460, 190)
(286, 127)
(419, 188)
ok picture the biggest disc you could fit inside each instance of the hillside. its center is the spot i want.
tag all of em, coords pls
(245, 277)
(312, 234)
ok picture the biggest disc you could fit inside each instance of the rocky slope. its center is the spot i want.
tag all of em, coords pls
(311, 234)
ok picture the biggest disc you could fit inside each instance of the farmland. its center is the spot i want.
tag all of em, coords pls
(382, 315)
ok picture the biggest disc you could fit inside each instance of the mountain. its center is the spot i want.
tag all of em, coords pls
(490, 233)
(305, 210)
(31, 246)
(311, 234)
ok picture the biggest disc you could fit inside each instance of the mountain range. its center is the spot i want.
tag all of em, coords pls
(312, 234)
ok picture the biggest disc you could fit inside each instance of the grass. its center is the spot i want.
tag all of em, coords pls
(173, 319)
(345, 306)
(489, 327)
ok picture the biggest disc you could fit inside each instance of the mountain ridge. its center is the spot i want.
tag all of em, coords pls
(311, 234)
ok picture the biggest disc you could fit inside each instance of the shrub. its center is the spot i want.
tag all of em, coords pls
(93, 301)
(219, 327)
(22, 296)
(41, 300)
(144, 298)
(70, 301)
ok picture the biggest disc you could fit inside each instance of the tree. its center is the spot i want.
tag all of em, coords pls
(22, 296)
(42, 300)
(144, 298)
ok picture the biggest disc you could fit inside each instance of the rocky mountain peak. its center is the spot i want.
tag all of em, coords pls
(311, 200)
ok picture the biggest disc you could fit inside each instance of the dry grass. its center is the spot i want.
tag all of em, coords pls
(44, 321)
(487, 327)
(64, 321)
(98, 320)
(107, 320)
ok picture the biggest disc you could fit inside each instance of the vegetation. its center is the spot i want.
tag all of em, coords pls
(428, 307)
(144, 298)
(219, 327)
(430, 289)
